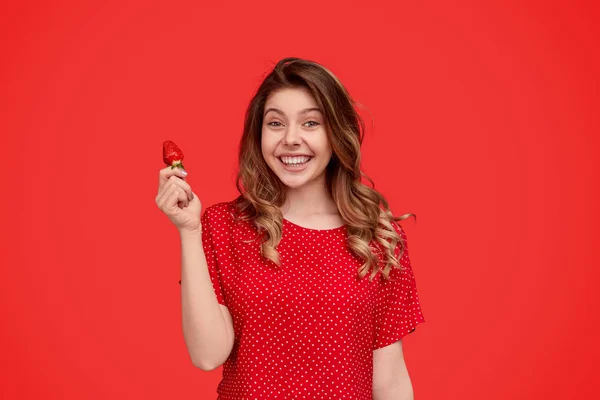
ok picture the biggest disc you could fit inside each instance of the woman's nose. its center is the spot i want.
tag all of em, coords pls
(292, 136)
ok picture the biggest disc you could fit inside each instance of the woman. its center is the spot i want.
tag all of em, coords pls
(302, 286)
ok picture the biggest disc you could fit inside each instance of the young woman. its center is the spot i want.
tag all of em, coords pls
(302, 286)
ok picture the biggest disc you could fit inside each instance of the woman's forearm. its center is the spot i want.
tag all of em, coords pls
(204, 327)
(400, 388)
(397, 393)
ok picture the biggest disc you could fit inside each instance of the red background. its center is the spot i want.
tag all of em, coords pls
(486, 127)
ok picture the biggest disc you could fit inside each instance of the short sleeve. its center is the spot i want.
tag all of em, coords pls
(210, 235)
(397, 308)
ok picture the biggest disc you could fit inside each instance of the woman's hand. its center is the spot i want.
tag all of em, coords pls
(176, 199)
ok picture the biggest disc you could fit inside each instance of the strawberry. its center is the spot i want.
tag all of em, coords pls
(172, 155)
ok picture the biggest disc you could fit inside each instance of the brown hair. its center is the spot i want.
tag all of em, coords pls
(363, 209)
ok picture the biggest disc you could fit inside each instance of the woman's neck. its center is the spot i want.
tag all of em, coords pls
(308, 200)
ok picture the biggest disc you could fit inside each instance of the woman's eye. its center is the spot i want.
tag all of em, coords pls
(311, 123)
(274, 123)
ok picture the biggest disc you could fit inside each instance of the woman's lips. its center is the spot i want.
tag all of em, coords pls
(295, 168)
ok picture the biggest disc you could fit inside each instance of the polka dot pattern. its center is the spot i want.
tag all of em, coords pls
(305, 330)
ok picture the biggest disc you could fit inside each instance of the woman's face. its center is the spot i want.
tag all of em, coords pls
(294, 140)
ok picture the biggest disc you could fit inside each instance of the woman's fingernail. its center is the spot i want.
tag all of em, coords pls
(184, 172)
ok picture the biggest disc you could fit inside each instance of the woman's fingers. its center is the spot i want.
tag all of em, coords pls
(182, 201)
(173, 190)
(163, 194)
(171, 201)
(183, 184)
(172, 196)
(166, 173)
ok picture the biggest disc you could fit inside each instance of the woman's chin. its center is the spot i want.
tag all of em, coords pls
(294, 183)
(298, 182)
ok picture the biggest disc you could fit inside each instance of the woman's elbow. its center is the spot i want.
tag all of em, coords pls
(206, 366)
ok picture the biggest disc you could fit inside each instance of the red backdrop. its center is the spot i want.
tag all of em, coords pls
(486, 127)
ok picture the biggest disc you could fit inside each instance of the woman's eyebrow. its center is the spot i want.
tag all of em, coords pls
(306, 110)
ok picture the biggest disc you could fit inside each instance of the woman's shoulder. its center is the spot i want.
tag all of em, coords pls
(224, 213)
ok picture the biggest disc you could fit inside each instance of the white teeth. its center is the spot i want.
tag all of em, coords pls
(294, 160)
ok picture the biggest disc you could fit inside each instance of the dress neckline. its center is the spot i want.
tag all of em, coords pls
(339, 228)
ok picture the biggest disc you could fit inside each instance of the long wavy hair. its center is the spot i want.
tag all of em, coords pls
(363, 209)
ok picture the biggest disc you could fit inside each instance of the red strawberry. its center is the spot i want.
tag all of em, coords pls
(172, 155)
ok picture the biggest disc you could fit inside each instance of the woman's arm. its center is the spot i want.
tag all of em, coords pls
(390, 375)
(207, 325)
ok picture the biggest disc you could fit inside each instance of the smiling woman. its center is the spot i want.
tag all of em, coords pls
(294, 138)
(294, 313)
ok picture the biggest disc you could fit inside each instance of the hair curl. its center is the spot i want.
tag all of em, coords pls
(363, 209)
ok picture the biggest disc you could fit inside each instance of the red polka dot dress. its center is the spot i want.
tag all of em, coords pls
(306, 330)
